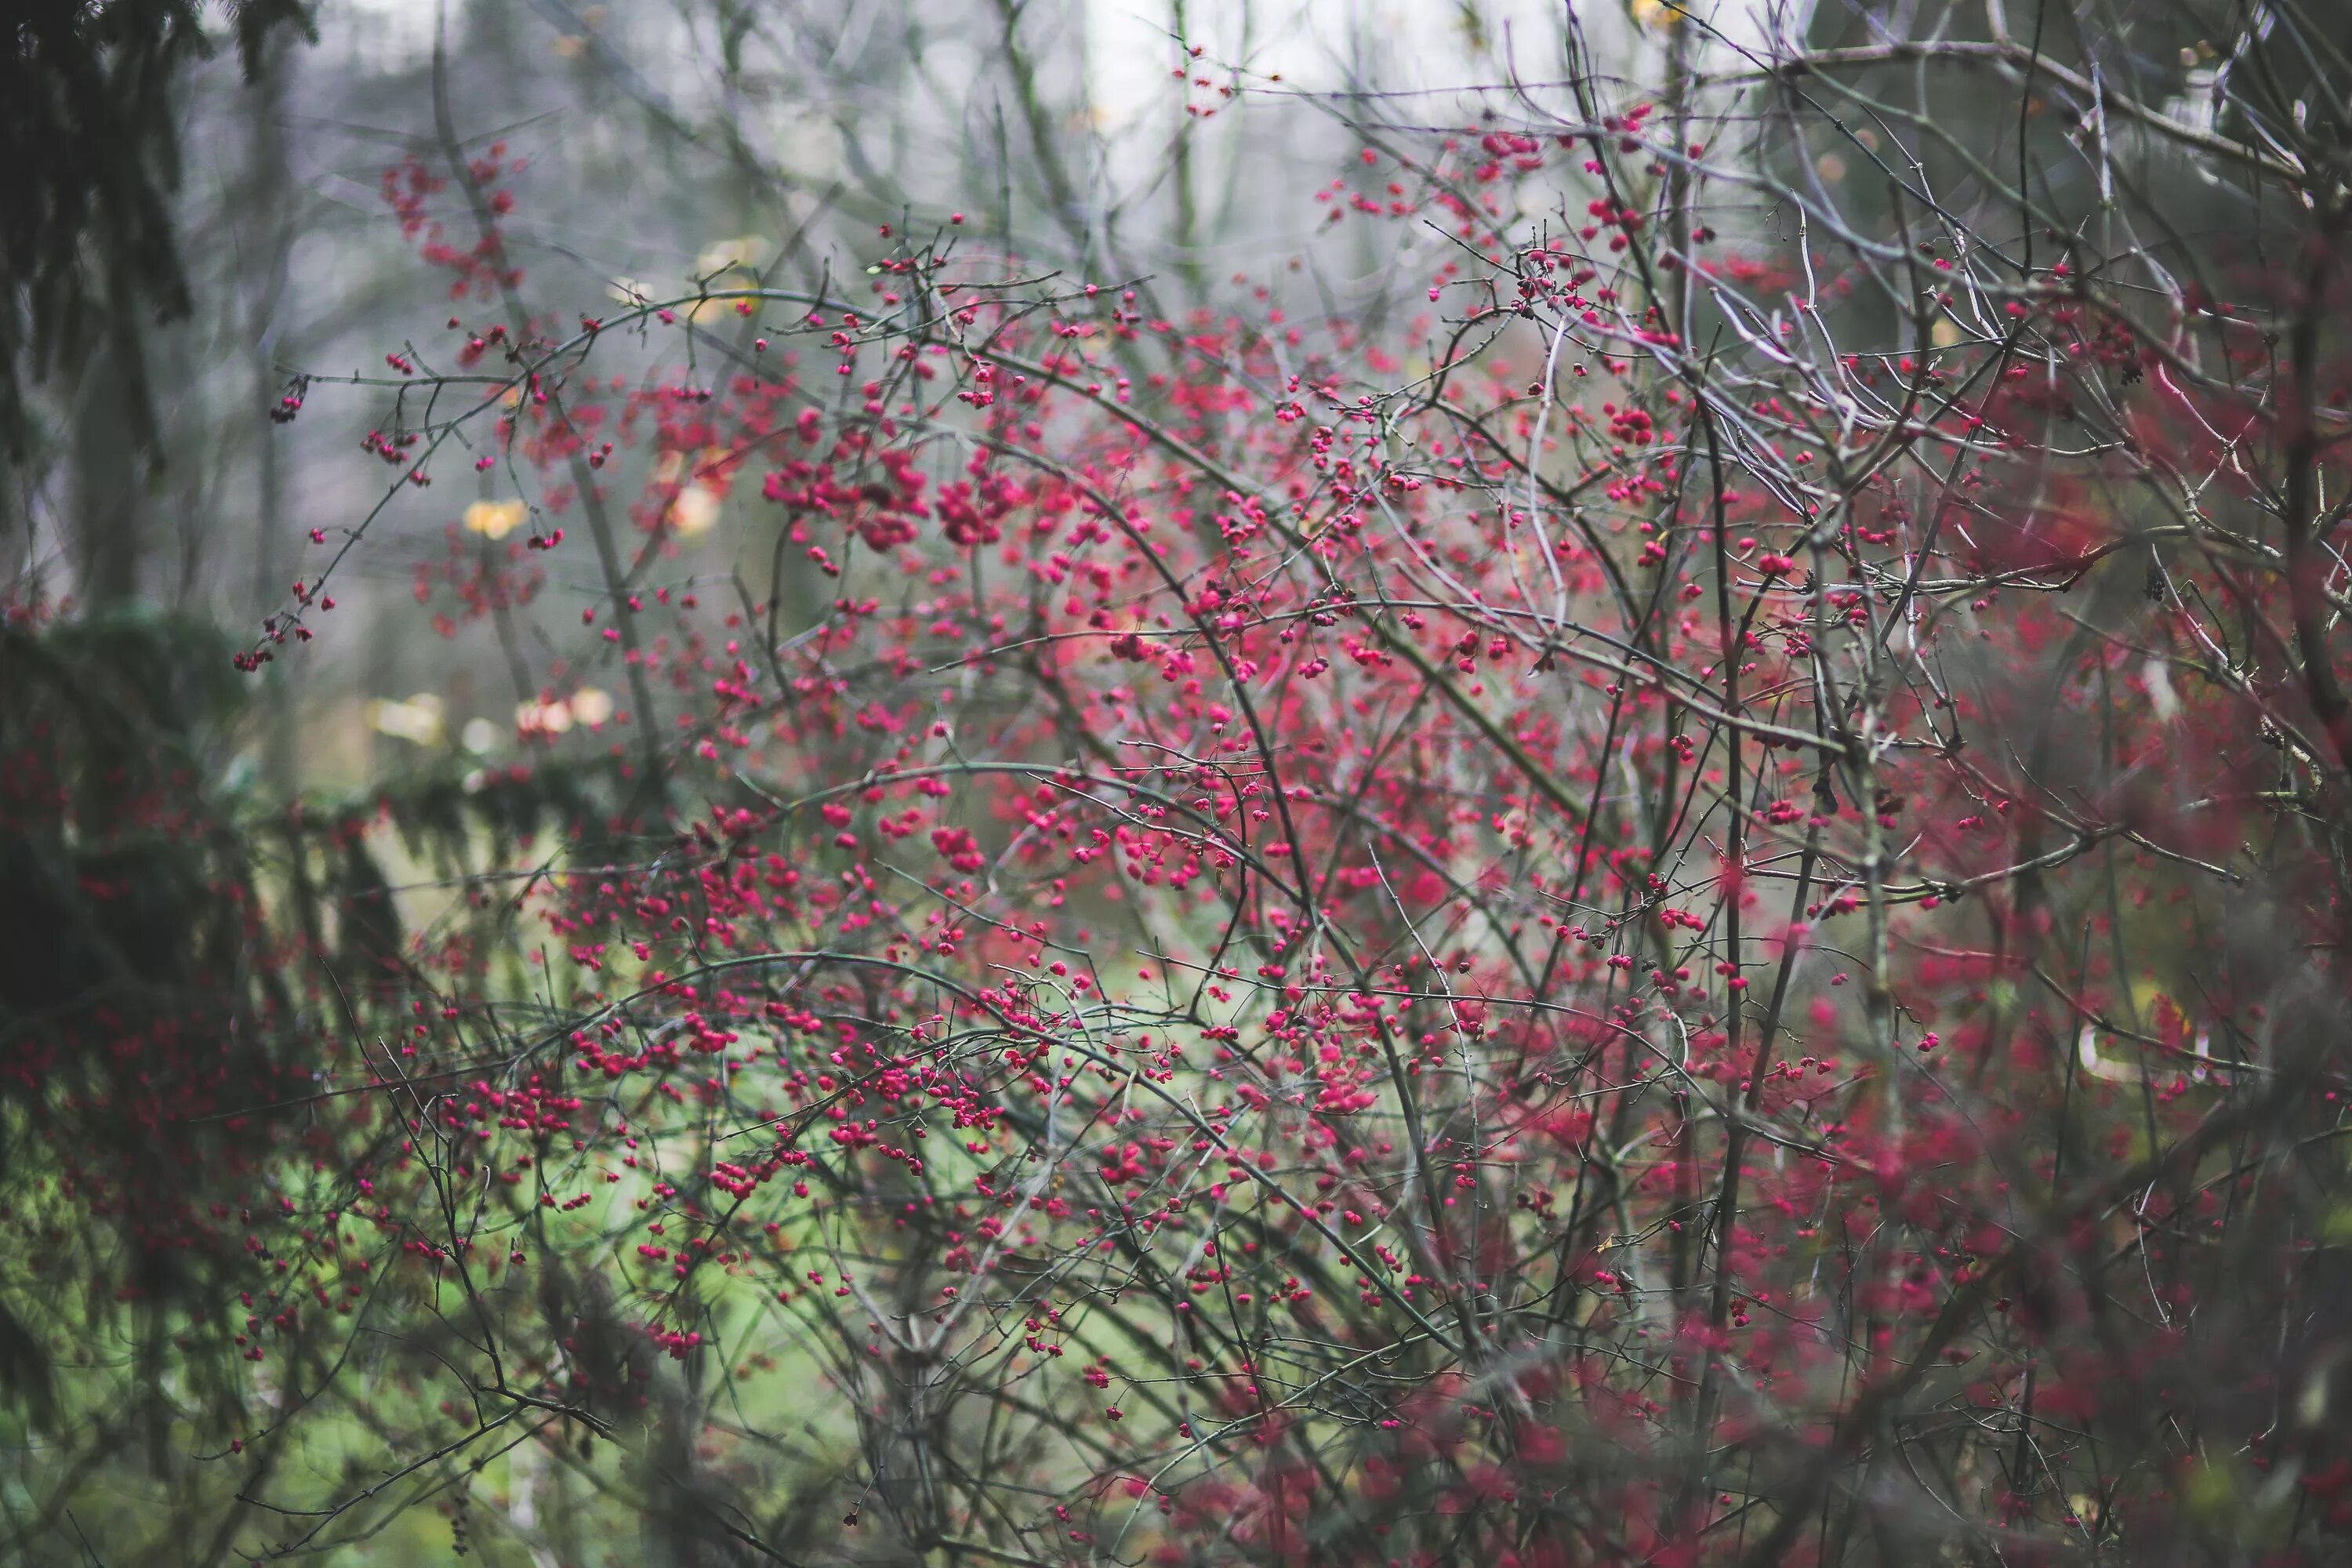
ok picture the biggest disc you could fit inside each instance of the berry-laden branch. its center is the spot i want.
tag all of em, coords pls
(1674, 895)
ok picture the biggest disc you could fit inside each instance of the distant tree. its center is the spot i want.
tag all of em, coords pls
(1670, 889)
(89, 153)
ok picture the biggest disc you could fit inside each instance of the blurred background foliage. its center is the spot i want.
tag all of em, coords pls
(192, 215)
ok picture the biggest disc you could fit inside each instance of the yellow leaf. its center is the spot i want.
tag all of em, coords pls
(696, 512)
(495, 519)
(590, 706)
(416, 720)
(545, 718)
(746, 251)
